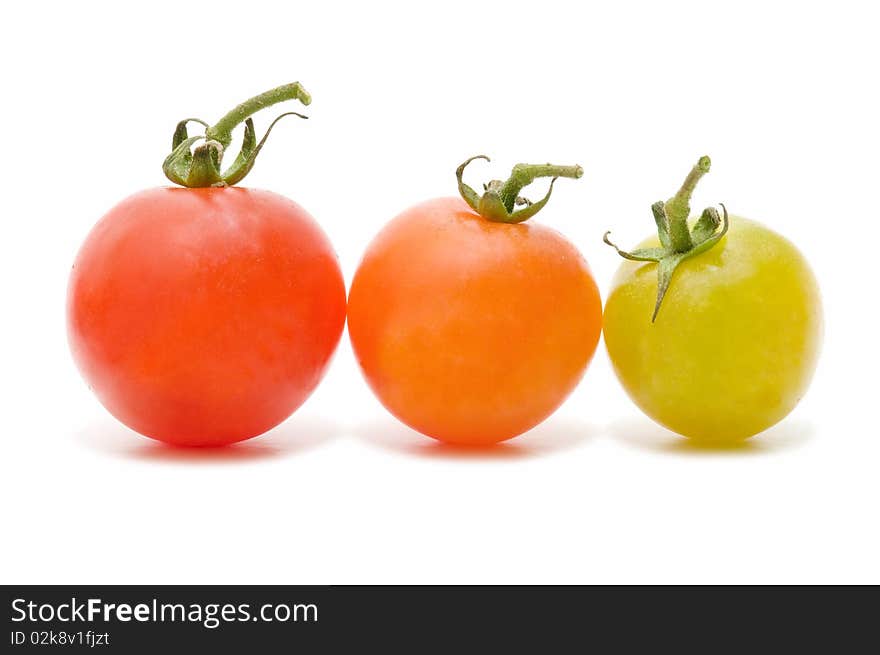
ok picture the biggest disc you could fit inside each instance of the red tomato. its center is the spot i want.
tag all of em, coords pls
(472, 331)
(205, 316)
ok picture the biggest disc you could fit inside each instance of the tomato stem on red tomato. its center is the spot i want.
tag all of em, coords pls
(678, 241)
(201, 166)
(500, 199)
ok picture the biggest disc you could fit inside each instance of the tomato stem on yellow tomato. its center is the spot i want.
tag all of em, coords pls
(201, 166)
(500, 198)
(678, 241)
(678, 207)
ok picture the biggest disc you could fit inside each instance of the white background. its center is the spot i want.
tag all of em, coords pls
(784, 97)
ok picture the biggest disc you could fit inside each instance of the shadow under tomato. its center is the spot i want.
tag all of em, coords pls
(296, 435)
(554, 435)
(644, 434)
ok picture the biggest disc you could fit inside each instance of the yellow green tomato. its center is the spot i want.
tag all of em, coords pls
(737, 332)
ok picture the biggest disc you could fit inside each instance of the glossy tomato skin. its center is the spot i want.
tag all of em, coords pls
(471, 331)
(202, 317)
(736, 341)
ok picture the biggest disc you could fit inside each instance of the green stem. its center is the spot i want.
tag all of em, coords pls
(500, 199)
(524, 174)
(678, 207)
(222, 130)
(678, 242)
(202, 167)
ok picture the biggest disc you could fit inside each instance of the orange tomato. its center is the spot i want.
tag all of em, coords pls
(468, 330)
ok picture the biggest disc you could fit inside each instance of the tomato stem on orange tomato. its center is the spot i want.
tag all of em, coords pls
(678, 241)
(501, 198)
(201, 166)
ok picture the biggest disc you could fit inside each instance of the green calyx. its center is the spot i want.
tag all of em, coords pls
(202, 166)
(500, 199)
(678, 241)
